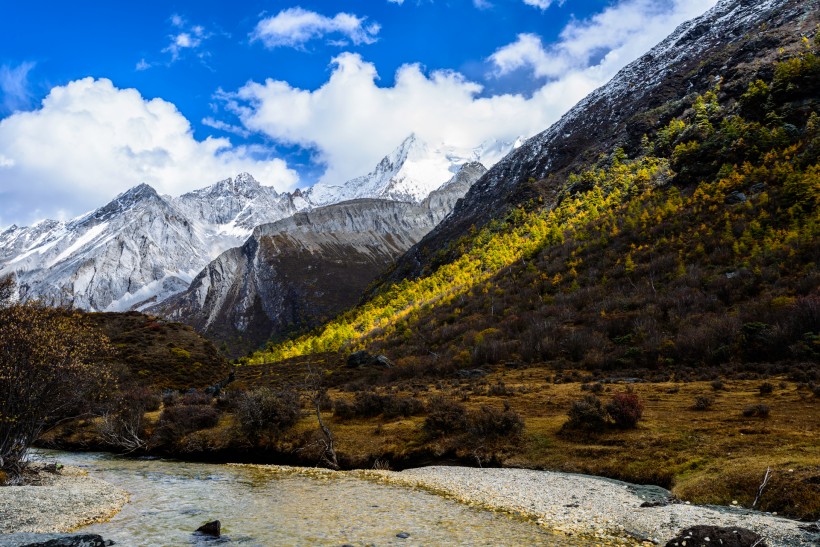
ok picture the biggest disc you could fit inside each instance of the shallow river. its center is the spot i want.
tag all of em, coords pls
(170, 499)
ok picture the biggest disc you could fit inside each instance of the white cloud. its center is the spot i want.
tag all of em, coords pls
(540, 4)
(399, 2)
(14, 88)
(605, 43)
(351, 122)
(183, 41)
(293, 27)
(482, 4)
(90, 140)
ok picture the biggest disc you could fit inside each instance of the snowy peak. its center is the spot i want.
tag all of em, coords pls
(243, 185)
(141, 194)
(410, 172)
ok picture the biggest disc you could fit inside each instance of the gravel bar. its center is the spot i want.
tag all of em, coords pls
(591, 506)
(62, 502)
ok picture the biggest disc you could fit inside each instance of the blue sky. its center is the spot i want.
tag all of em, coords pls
(98, 96)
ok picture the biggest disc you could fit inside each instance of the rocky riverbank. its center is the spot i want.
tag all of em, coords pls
(599, 509)
(60, 500)
(580, 504)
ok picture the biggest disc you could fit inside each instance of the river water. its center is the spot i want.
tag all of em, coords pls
(170, 499)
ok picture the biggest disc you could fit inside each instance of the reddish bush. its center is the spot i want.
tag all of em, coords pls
(625, 409)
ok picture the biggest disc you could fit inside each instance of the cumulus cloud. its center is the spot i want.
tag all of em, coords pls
(351, 122)
(605, 42)
(14, 87)
(294, 27)
(90, 140)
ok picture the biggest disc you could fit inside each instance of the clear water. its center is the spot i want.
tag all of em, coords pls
(169, 500)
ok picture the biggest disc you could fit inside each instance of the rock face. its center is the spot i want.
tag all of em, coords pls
(298, 271)
(691, 60)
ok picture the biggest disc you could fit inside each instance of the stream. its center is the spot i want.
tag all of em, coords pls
(171, 499)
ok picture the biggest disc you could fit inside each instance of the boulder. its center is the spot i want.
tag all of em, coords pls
(361, 359)
(735, 198)
(710, 536)
(53, 540)
(213, 528)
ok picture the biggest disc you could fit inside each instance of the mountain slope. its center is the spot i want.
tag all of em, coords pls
(726, 42)
(671, 247)
(295, 272)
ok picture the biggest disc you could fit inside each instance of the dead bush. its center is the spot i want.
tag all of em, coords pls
(444, 416)
(587, 414)
(490, 423)
(265, 413)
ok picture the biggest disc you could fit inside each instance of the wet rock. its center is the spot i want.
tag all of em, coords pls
(731, 536)
(53, 540)
(213, 528)
(402, 535)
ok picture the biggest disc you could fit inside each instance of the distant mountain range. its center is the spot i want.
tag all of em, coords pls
(142, 248)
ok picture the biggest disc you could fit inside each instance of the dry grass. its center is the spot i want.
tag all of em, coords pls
(714, 456)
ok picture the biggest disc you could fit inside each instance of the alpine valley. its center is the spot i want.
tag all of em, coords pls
(632, 293)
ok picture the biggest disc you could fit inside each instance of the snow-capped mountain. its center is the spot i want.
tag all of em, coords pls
(411, 172)
(135, 247)
(226, 213)
(294, 272)
(141, 248)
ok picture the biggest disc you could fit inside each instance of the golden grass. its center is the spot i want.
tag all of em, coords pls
(715, 456)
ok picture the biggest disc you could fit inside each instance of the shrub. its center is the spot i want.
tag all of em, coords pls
(51, 368)
(717, 385)
(758, 411)
(121, 425)
(625, 409)
(343, 409)
(703, 402)
(597, 387)
(765, 388)
(499, 390)
(170, 397)
(402, 406)
(444, 416)
(177, 421)
(265, 412)
(195, 397)
(586, 414)
(368, 404)
(490, 423)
